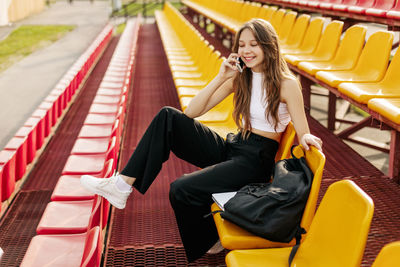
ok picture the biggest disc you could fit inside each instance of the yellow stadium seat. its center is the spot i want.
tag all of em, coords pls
(286, 142)
(287, 25)
(371, 65)
(267, 12)
(387, 107)
(336, 237)
(234, 237)
(389, 87)
(296, 35)
(277, 17)
(311, 38)
(252, 11)
(346, 56)
(388, 256)
(220, 113)
(326, 47)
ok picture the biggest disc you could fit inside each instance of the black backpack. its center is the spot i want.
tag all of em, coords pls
(274, 210)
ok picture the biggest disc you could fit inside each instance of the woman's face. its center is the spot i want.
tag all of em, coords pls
(250, 52)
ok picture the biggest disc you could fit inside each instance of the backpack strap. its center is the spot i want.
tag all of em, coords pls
(213, 212)
(300, 231)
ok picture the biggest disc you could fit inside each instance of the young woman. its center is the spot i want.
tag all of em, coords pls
(266, 97)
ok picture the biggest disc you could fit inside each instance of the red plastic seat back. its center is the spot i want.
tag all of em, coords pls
(97, 212)
(92, 250)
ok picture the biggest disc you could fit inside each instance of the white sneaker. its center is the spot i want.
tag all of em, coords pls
(106, 188)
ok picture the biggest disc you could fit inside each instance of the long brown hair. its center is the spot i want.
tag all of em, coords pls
(274, 69)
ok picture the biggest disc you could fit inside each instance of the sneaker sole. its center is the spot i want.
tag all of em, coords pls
(100, 193)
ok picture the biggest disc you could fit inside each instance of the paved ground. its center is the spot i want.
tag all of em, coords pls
(24, 85)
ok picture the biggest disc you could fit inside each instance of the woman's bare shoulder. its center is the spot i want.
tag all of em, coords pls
(289, 86)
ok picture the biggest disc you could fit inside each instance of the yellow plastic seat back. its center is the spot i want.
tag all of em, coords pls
(339, 230)
(296, 36)
(277, 18)
(392, 77)
(350, 47)
(329, 40)
(286, 142)
(311, 38)
(375, 55)
(388, 256)
(287, 25)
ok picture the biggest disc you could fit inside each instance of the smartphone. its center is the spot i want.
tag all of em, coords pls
(240, 65)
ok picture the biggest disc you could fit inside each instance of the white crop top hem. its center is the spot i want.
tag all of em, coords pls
(258, 106)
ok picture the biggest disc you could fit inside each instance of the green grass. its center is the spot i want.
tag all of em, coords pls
(28, 38)
(120, 28)
(135, 8)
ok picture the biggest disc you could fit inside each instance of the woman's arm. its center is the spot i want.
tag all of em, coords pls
(291, 94)
(208, 97)
(218, 89)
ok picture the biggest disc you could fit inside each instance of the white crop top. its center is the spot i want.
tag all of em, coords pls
(258, 106)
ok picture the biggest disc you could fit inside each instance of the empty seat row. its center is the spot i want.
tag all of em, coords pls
(193, 63)
(21, 150)
(382, 11)
(74, 220)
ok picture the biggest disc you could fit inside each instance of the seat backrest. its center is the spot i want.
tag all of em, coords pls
(384, 4)
(92, 249)
(350, 47)
(374, 57)
(296, 36)
(392, 76)
(312, 35)
(108, 169)
(277, 18)
(339, 229)
(267, 12)
(329, 41)
(388, 256)
(253, 11)
(396, 6)
(244, 12)
(365, 3)
(286, 142)
(316, 162)
(96, 214)
(287, 25)
(349, 2)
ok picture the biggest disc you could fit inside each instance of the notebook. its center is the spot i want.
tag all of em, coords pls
(221, 198)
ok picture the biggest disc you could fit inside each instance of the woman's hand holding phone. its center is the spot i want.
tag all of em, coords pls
(231, 65)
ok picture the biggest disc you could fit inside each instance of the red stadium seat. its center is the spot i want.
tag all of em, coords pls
(37, 126)
(46, 116)
(20, 145)
(89, 164)
(70, 217)
(65, 250)
(7, 161)
(380, 8)
(26, 132)
(361, 6)
(394, 13)
(68, 187)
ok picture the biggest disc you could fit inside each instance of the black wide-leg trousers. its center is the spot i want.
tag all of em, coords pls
(226, 165)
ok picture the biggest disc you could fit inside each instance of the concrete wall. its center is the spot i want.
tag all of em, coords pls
(14, 10)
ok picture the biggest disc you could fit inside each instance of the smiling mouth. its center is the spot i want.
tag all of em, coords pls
(248, 59)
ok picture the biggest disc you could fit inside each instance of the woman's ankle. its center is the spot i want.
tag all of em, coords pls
(127, 179)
